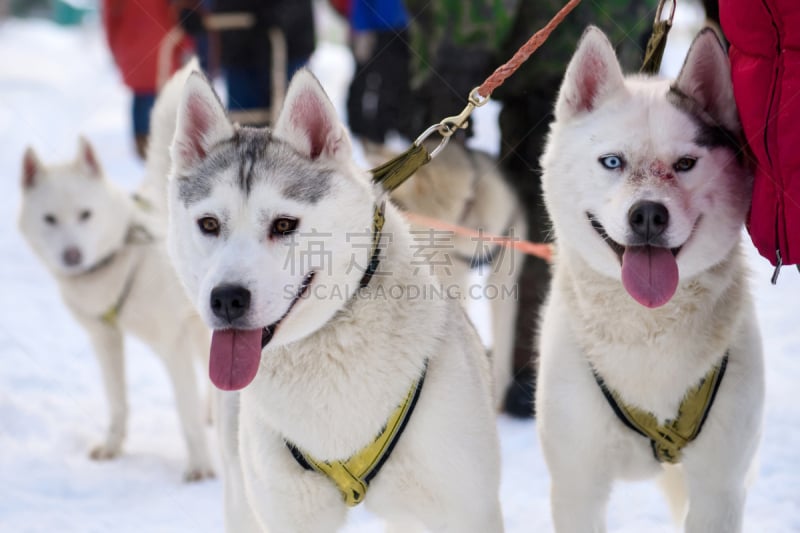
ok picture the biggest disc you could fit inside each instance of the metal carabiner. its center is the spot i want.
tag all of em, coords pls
(427, 133)
(449, 125)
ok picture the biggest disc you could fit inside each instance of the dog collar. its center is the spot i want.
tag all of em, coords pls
(669, 438)
(101, 264)
(352, 476)
(378, 219)
(135, 234)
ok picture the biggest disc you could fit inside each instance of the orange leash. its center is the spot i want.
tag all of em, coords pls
(540, 250)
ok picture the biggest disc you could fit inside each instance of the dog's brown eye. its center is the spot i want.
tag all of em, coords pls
(50, 219)
(85, 215)
(209, 225)
(284, 226)
(684, 164)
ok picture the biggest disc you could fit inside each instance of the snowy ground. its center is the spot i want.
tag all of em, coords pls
(55, 83)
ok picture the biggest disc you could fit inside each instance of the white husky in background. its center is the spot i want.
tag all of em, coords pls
(648, 194)
(466, 188)
(323, 352)
(112, 269)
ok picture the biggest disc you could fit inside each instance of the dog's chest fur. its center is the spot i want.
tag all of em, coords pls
(331, 392)
(651, 357)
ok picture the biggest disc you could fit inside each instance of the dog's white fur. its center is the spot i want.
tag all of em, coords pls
(651, 357)
(155, 309)
(335, 368)
(466, 188)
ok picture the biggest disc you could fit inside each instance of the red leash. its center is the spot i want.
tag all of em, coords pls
(510, 67)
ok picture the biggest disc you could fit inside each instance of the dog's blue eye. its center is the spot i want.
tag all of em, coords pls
(612, 162)
(684, 164)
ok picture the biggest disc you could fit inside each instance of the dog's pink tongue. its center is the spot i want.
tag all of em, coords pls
(235, 356)
(649, 274)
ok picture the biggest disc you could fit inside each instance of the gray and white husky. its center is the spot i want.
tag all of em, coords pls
(274, 235)
(112, 269)
(649, 326)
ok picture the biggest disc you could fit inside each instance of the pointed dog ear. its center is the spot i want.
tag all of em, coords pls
(31, 166)
(201, 123)
(308, 120)
(87, 158)
(592, 75)
(706, 79)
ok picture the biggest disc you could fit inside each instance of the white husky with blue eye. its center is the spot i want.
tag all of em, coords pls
(648, 193)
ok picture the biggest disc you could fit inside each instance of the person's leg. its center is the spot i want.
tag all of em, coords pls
(142, 104)
(369, 110)
(396, 90)
(249, 94)
(294, 64)
(524, 124)
(357, 119)
(241, 84)
(712, 10)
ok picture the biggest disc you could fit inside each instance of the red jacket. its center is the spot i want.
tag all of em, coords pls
(765, 63)
(135, 30)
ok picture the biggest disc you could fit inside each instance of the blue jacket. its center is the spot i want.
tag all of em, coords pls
(381, 15)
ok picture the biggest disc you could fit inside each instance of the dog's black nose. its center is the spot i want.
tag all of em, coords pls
(648, 219)
(72, 256)
(230, 301)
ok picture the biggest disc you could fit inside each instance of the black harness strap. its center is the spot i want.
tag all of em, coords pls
(377, 468)
(722, 366)
(378, 220)
(614, 405)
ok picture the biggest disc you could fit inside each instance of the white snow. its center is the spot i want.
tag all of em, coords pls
(56, 83)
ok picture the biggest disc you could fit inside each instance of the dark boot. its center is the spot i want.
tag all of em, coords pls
(519, 400)
(141, 146)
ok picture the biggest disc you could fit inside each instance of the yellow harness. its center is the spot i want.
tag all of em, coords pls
(669, 438)
(136, 235)
(352, 476)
